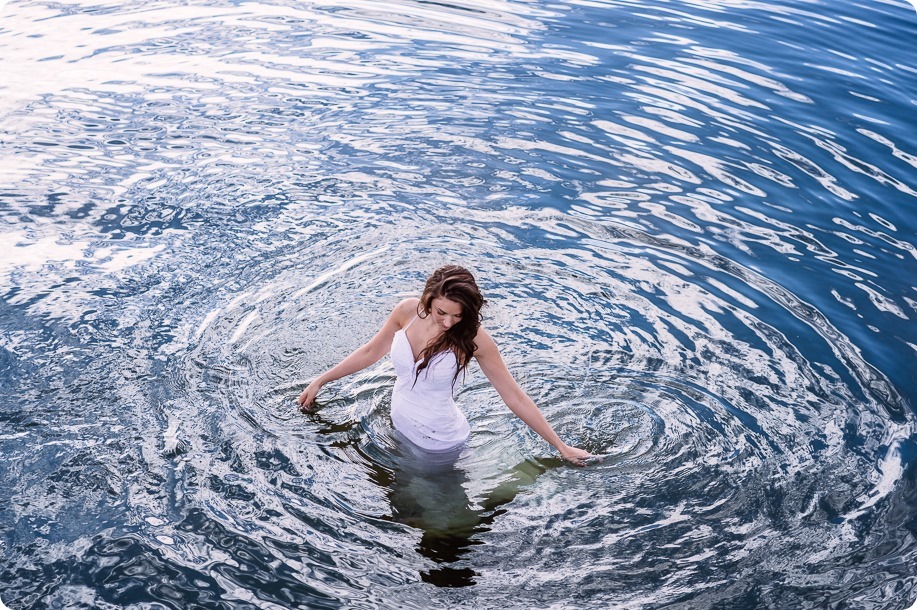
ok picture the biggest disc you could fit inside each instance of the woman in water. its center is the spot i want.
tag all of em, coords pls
(432, 339)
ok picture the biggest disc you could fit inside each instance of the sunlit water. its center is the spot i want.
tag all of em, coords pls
(694, 222)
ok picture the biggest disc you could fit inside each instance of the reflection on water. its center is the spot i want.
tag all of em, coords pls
(693, 222)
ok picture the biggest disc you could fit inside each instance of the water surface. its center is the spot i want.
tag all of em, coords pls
(694, 223)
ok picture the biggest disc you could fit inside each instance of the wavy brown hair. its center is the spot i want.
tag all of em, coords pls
(456, 284)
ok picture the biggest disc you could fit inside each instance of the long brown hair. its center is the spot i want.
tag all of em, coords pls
(456, 284)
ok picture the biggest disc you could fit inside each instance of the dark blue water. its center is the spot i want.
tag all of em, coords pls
(694, 222)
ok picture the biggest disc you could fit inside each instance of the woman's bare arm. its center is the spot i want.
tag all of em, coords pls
(366, 355)
(488, 357)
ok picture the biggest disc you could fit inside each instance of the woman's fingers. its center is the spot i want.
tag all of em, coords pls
(305, 400)
(579, 457)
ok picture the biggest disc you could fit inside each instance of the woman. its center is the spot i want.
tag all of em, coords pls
(432, 339)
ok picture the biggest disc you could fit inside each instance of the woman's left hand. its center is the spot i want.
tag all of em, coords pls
(576, 456)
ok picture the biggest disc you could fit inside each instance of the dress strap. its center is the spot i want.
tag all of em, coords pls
(411, 322)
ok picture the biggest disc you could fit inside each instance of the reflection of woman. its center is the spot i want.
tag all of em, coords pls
(432, 339)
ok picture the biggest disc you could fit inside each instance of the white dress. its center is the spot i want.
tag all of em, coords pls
(425, 411)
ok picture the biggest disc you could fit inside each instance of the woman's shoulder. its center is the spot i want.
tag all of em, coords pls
(405, 311)
(483, 341)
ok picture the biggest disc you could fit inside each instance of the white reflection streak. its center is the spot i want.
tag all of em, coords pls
(243, 326)
(208, 319)
(891, 469)
(321, 279)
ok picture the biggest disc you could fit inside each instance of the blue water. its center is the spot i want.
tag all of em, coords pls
(694, 222)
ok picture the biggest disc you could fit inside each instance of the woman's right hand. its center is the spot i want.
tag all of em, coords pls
(306, 400)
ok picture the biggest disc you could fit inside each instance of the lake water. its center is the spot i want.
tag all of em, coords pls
(694, 222)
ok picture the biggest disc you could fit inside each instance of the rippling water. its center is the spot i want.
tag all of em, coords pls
(694, 222)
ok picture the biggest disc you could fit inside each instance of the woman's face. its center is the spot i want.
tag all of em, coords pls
(446, 313)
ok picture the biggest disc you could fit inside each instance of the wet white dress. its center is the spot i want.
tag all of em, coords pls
(425, 411)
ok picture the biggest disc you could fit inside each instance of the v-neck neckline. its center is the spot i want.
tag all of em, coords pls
(414, 358)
